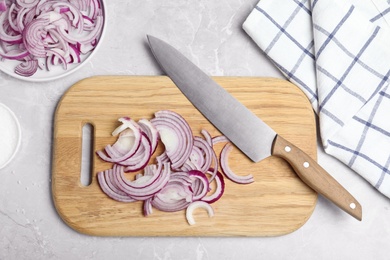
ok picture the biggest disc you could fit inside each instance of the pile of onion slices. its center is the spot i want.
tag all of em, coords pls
(179, 178)
(45, 33)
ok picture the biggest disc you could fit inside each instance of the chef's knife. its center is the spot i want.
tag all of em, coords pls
(238, 123)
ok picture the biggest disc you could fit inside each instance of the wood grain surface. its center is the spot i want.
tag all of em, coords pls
(276, 203)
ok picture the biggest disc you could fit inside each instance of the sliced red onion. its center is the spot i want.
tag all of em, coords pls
(33, 35)
(126, 140)
(29, 67)
(195, 160)
(161, 185)
(220, 139)
(123, 149)
(209, 154)
(147, 207)
(228, 172)
(56, 56)
(219, 189)
(108, 186)
(74, 54)
(14, 54)
(6, 35)
(12, 17)
(27, 4)
(150, 131)
(132, 149)
(195, 205)
(207, 136)
(127, 122)
(200, 184)
(141, 158)
(163, 158)
(57, 32)
(146, 186)
(176, 195)
(176, 135)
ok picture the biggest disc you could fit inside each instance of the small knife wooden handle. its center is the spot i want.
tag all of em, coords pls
(311, 173)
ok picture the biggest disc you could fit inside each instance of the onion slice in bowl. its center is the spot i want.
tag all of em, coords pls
(27, 68)
(45, 30)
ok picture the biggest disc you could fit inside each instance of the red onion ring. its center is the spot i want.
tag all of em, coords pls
(176, 135)
(176, 195)
(200, 184)
(141, 158)
(228, 172)
(29, 67)
(150, 131)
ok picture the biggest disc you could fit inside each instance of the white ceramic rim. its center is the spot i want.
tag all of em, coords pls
(19, 135)
(59, 69)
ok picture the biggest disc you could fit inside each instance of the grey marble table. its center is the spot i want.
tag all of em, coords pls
(210, 33)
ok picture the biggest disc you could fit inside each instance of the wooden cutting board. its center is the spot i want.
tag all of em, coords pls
(276, 203)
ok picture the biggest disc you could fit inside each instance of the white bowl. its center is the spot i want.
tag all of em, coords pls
(11, 135)
(56, 72)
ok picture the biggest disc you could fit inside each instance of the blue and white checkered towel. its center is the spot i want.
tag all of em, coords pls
(338, 53)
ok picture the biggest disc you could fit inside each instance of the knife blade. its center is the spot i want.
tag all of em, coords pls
(237, 122)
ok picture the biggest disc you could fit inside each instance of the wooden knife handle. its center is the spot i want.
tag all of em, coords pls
(311, 173)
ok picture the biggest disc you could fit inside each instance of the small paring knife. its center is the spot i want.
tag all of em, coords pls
(237, 123)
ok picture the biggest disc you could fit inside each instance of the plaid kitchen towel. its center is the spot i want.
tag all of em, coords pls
(338, 53)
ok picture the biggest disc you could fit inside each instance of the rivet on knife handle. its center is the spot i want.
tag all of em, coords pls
(311, 173)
